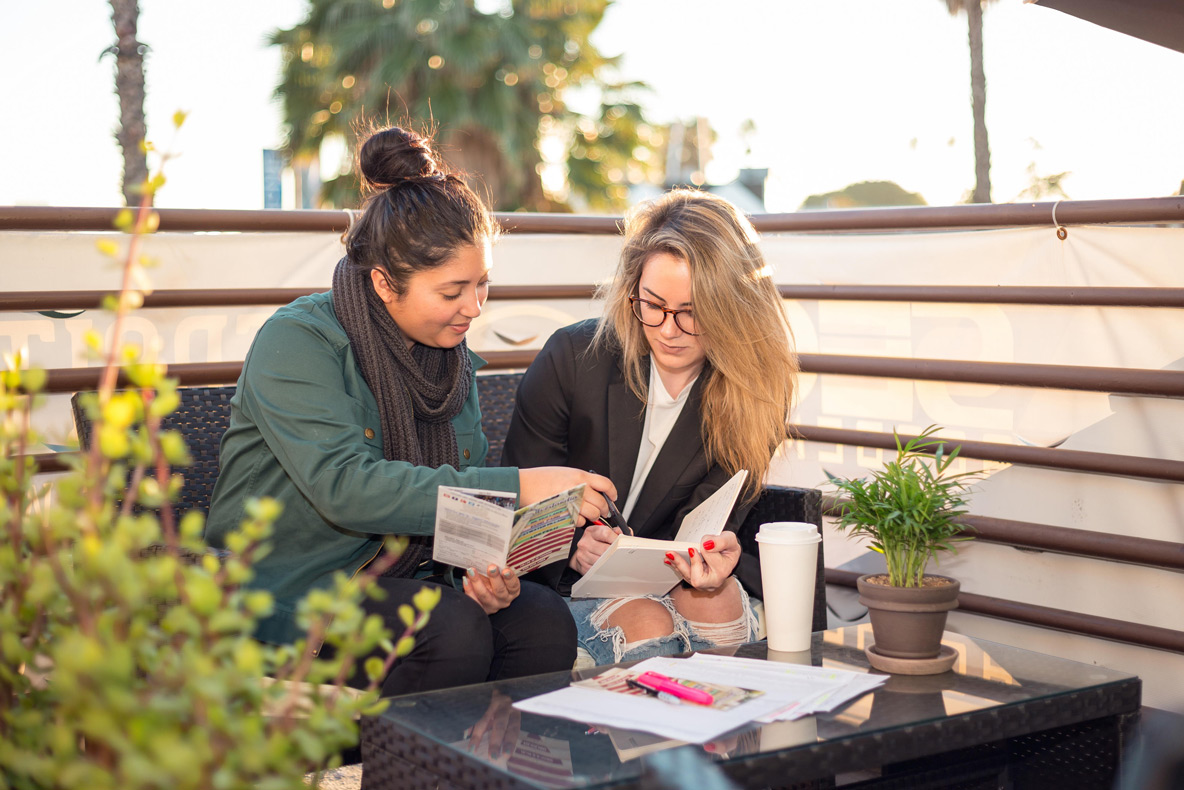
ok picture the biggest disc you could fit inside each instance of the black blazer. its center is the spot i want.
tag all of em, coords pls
(575, 409)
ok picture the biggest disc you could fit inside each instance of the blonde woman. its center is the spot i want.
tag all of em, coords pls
(687, 378)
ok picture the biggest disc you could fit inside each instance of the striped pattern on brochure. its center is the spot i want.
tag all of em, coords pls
(527, 556)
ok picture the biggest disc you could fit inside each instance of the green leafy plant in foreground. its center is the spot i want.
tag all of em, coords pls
(102, 686)
(909, 509)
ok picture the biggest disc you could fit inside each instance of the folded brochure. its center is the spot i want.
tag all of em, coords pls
(477, 528)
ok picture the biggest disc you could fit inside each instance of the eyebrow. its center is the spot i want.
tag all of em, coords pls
(451, 283)
(661, 299)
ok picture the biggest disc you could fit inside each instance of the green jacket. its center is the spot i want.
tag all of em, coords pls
(305, 430)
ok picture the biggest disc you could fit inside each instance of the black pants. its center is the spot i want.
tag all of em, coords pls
(461, 644)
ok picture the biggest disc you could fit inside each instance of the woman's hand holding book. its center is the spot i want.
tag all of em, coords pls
(709, 567)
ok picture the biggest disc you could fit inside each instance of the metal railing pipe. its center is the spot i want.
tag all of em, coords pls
(204, 374)
(1160, 469)
(1068, 212)
(1062, 540)
(982, 215)
(1081, 542)
(182, 220)
(1053, 295)
(235, 297)
(180, 297)
(1060, 619)
(1128, 381)
(969, 294)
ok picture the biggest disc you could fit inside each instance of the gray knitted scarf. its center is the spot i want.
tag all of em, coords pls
(419, 390)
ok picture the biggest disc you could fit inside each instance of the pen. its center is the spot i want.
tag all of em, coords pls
(671, 686)
(615, 519)
(662, 695)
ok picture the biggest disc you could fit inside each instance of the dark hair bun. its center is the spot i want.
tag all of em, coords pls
(393, 155)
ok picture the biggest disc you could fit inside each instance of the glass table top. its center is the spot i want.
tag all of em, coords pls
(551, 752)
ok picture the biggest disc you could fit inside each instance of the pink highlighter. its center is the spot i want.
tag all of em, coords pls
(662, 683)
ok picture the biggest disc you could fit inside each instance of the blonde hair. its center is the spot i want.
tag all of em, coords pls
(751, 367)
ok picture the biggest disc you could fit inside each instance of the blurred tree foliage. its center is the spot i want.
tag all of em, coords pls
(1043, 187)
(495, 84)
(866, 193)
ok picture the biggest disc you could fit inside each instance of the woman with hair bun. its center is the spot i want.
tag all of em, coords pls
(356, 404)
(687, 378)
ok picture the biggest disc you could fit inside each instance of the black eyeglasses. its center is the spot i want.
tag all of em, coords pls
(654, 315)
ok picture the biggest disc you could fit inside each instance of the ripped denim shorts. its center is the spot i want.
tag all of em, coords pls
(608, 645)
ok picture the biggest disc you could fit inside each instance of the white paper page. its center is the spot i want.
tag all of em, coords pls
(813, 689)
(797, 683)
(470, 532)
(854, 688)
(631, 566)
(712, 513)
(506, 499)
(686, 722)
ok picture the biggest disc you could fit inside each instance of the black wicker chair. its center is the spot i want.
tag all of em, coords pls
(202, 418)
(497, 391)
(782, 503)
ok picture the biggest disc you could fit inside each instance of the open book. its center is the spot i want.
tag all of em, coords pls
(637, 566)
(476, 529)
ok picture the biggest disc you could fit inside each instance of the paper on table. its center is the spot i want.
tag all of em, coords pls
(813, 689)
(686, 722)
(791, 691)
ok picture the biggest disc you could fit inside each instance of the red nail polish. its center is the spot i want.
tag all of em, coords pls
(667, 562)
(691, 552)
(669, 556)
(708, 545)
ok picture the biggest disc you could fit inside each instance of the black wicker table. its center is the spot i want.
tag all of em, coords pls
(1002, 718)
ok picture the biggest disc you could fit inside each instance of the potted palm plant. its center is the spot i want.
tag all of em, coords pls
(908, 510)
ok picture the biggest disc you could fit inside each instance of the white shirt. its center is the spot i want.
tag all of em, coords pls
(661, 412)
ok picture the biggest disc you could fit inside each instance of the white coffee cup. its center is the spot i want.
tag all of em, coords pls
(789, 563)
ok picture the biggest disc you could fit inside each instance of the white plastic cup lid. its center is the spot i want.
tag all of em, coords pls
(788, 532)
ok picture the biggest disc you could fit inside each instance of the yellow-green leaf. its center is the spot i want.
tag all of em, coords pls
(113, 442)
(404, 646)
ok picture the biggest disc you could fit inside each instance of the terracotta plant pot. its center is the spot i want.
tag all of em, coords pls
(907, 622)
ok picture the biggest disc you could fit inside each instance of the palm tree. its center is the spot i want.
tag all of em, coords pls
(129, 86)
(978, 95)
(496, 83)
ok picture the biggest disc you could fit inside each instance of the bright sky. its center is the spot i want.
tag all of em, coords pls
(840, 91)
